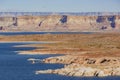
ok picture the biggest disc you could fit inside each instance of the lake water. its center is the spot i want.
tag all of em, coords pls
(16, 67)
(29, 33)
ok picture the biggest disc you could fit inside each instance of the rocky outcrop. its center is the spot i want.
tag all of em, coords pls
(79, 70)
(68, 59)
(60, 23)
(33, 61)
(84, 66)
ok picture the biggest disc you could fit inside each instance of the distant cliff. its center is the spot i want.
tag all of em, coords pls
(60, 23)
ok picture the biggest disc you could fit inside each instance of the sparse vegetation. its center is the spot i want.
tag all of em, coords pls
(102, 44)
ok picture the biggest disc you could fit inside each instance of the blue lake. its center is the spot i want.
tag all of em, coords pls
(29, 33)
(16, 67)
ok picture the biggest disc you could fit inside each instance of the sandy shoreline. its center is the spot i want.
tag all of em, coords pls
(32, 53)
(26, 42)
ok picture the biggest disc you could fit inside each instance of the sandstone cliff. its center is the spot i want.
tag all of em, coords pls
(59, 23)
(84, 66)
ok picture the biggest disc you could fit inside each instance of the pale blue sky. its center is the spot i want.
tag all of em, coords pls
(60, 5)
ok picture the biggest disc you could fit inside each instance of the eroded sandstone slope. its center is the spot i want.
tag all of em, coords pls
(59, 23)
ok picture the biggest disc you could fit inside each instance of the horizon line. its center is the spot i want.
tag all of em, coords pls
(63, 12)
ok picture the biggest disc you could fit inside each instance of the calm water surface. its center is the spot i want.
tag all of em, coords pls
(16, 67)
(29, 33)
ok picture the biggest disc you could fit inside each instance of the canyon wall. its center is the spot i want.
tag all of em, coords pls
(60, 23)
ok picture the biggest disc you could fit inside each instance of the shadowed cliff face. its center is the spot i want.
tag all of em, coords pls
(108, 19)
(59, 23)
(112, 20)
(101, 19)
(63, 19)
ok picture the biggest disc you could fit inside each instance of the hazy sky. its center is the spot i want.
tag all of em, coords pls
(61, 5)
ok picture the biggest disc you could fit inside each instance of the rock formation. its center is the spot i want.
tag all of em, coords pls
(60, 23)
(84, 66)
